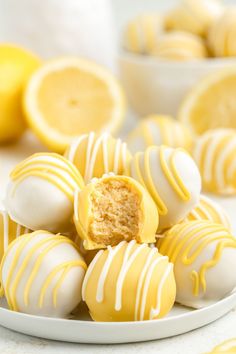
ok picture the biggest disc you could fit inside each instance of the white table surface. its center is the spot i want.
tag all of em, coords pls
(196, 342)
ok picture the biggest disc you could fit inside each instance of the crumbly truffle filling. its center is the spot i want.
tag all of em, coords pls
(116, 212)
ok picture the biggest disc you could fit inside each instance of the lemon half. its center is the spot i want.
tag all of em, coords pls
(211, 103)
(67, 97)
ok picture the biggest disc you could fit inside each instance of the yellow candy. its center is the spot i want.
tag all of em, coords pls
(97, 154)
(129, 282)
(142, 33)
(112, 209)
(180, 46)
(222, 34)
(194, 16)
(9, 231)
(159, 130)
(227, 347)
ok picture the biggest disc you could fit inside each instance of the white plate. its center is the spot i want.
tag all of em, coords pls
(180, 320)
(83, 330)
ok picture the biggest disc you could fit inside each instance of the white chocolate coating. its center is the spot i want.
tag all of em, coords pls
(172, 178)
(204, 257)
(215, 155)
(42, 274)
(209, 210)
(40, 193)
(159, 130)
(97, 154)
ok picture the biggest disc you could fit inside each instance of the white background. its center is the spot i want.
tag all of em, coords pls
(197, 342)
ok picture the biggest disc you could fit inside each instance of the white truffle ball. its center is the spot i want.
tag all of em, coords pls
(204, 258)
(42, 274)
(40, 193)
(171, 177)
(159, 130)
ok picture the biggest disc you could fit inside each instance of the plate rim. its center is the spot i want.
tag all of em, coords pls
(194, 312)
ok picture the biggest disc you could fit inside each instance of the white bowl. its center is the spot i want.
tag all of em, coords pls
(158, 86)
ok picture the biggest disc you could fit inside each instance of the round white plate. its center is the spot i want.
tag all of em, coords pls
(83, 330)
(180, 320)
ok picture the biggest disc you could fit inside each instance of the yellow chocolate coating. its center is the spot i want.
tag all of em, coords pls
(9, 231)
(129, 282)
(222, 34)
(227, 347)
(159, 130)
(84, 217)
(180, 46)
(193, 16)
(97, 154)
(142, 33)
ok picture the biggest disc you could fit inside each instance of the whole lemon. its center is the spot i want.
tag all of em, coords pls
(16, 66)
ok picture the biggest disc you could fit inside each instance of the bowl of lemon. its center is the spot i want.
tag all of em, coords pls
(165, 56)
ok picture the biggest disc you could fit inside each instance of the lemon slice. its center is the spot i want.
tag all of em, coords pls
(16, 65)
(70, 96)
(211, 103)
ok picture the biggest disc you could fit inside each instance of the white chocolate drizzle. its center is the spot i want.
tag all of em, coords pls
(101, 282)
(93, 147)
(141, 280)
(129, 256)
(127, 262)
(156, 311)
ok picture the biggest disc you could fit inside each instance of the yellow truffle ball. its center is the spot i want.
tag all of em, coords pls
(159, 130)
(193, 16)
(97, 154)
(222, 34)
(180, 46)
(114, 208)
(142, 33)
(129, 282)
(9, 231)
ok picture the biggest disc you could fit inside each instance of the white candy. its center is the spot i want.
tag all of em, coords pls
(204, 257)
(40, 194)
(172, 178)
(42, 274)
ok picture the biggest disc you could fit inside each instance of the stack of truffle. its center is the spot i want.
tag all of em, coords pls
(191, 30)
(129, 234)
